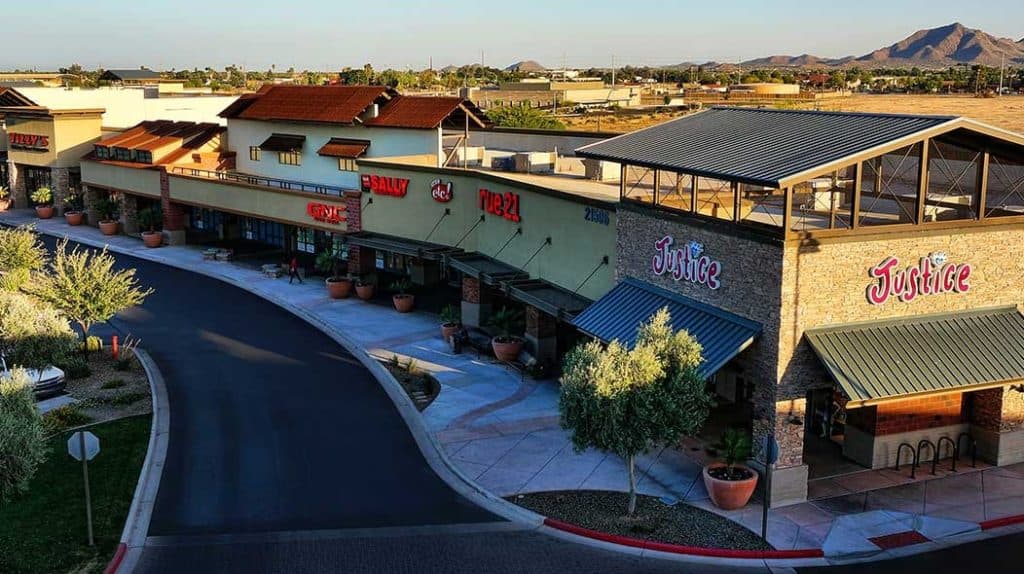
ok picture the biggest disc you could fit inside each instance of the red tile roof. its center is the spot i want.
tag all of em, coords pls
(417, 112)
(324, 104)
(342, 147)
(152, 135)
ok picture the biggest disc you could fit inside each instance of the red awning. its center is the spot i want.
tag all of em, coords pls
(346, 148)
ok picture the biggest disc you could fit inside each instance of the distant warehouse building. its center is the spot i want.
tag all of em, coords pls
(542, 92)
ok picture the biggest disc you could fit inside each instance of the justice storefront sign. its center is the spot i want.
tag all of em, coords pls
(931, 275)
(686, 263)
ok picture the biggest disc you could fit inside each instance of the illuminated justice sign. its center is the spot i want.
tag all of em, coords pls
(688, 263)
(380, 185)
(29, 141)
(931, 276)
(441, 191)
(325, 213)
(503, 204)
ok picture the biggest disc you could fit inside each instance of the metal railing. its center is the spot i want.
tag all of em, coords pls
(258, 180)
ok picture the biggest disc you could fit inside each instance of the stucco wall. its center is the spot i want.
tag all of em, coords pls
(138, 181)
(70, 137)
(316, 169)
(576, 248)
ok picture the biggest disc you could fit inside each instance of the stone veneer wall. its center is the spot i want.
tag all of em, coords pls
(59, 184)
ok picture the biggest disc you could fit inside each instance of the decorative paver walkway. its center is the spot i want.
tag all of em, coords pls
(502, 431)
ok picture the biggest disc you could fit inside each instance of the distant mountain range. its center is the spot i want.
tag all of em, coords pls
(931, 48)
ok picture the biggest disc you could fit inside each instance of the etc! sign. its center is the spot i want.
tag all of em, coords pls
(931, 276)
(688, 263)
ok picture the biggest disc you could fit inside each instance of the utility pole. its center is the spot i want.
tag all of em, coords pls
(1002, 66)
(613, 70)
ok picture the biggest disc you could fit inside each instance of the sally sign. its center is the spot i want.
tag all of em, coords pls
(931, 276)
(688, 263)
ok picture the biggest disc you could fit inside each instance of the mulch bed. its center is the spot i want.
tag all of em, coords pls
(421, 387)
(605, 511)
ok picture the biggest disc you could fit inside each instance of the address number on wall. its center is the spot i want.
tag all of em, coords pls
(597, 215)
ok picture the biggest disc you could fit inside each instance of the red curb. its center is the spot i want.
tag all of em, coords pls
(115, 562)
(680, 549)
(999, 522)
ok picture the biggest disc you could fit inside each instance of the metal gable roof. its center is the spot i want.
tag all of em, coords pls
(897, 358)
(617, 315)
(758, 146)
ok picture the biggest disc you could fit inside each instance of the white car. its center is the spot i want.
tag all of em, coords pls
(45, 383)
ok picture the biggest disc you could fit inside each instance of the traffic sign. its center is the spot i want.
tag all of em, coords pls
(90, 446)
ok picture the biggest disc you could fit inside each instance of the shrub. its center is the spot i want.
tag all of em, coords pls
(63, 418)
(75, 368)
(107, 209)
(507, 322)
(92, 343)
(451, 315)
(22, 439)
(124, 362)
(125, 399)
(401, 286)
(33, 336)
(42, 196)
(150, 218)
(113, 384)
(21, 250)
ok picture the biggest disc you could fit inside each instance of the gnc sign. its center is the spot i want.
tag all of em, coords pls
(326, 213)
(931, 276)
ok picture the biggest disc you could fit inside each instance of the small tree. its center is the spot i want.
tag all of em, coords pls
(21, 253)
(32, 336)
(85, 286)
(627, 401)
(22, 444)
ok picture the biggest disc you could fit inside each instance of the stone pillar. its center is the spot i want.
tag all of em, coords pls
(90, 195)
(541, 335)
(59, 185)
(476, 302)
(997, 424)
(361, 260)
(174, 216)
(786, 423)
(129, 209)
(18, 192)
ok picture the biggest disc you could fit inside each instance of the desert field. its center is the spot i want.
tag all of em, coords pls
(1006, 112)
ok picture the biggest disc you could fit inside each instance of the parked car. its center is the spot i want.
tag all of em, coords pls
(45, 384)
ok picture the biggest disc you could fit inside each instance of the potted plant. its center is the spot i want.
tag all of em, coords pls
(338, 286)
(729, 483)
(108, 212)
(73, 208)
(5, 198)
(451, 321)
(43, 198)
(402, 299)
(151, 218)
(505, 344)
(364, 289)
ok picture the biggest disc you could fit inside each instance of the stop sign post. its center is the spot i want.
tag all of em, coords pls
(771, 455)
(84, 446)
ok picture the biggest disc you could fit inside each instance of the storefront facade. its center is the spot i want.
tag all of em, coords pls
(870, 264)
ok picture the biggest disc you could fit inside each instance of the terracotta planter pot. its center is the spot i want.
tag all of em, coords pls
(449, 329)
(74, 217)
(108, 227)
(44, 211)
(507, 350)
(729, 494)
(5, 204)
(403, 303)
(339, 287)
(364, 292)
(153, 238)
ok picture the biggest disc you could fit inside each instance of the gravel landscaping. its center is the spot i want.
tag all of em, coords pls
(605, 511)
(112, 390)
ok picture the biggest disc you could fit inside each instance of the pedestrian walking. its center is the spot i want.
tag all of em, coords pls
(293, 270)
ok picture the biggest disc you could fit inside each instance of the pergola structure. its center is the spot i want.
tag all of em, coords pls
(797, 174)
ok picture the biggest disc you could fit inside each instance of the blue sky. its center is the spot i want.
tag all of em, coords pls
(406, 33)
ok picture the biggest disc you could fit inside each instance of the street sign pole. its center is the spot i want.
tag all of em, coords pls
(85, 477)
(771, 454)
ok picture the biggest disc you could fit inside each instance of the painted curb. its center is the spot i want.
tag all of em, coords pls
(136, 526)
(1001, 522)
(681, 549)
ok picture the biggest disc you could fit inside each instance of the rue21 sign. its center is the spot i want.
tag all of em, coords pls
(504, 204)
(932, 275)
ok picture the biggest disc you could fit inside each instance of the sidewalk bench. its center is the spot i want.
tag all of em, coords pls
(272, 270)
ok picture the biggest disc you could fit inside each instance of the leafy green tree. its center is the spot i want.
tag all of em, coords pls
(85, 285)
(523, 117)
(32, 336)
(627, 401)
(21, 253)
(22, 444)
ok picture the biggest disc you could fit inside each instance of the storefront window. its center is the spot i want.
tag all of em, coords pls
(205, 219)
(674, 190)
(347, 164)
(35, 177)
(254, 153)
(1005, 195)
(889, 188)
(269, 232)
(715, 198)
(762, 205)
(305, 240)
(952, 182)
(638, 184)
(289, 158)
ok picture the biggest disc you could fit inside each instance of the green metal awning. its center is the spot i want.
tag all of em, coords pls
(410, 247)
(487, 269)
(547, 297)
(899, 358)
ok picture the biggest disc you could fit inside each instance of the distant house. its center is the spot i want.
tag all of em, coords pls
(141, 76)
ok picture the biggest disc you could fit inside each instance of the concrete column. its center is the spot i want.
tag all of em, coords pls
(59, 185)
(541, 335)
(476, 302)
(174, 216)
(129, 209)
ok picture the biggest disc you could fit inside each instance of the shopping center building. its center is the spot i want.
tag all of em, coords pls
(855, 280)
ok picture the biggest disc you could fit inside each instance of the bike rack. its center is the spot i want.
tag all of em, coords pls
(938, 447)
(972, 446)
(935, 452)
(913, 454)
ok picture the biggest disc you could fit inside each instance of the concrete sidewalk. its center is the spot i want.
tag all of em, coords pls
(502, 431)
